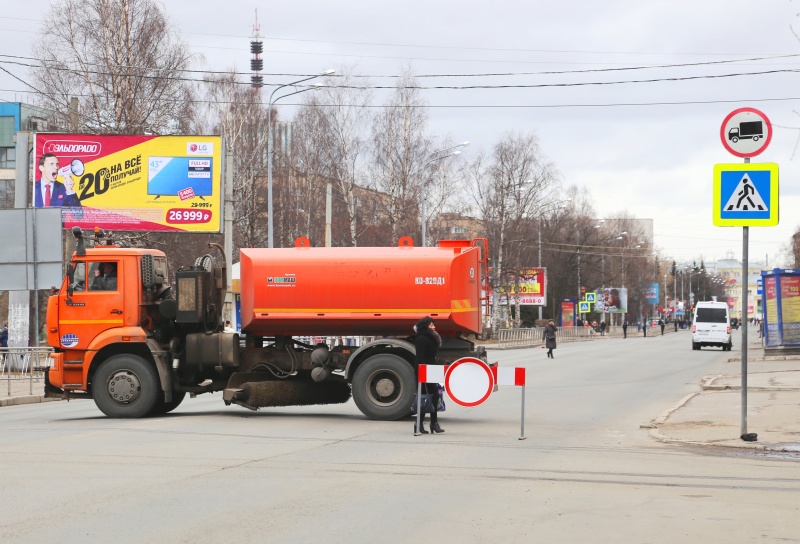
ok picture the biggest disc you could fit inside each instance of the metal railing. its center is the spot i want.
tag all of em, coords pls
(532, 337)
(18, 365)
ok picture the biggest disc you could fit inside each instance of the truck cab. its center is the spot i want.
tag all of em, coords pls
(100, 311)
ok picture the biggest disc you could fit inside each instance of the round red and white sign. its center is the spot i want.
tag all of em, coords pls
(469, 381)
(746, 132)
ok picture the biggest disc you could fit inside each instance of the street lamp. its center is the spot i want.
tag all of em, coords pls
(621, 236)
(433, 157)
(690, 284)
(272, 101)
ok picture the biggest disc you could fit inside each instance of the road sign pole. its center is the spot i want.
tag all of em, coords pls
(745, 283)
(745, 243)
(522, 416)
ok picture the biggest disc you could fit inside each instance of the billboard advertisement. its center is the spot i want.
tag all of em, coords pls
(567, 317)
(532, 288)
(125, 182)
(790, 309)
(611, 300)
(651, 295)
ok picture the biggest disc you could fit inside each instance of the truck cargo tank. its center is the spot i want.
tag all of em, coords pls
(327, 291)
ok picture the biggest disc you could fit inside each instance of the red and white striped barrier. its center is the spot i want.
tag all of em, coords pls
(469, 381)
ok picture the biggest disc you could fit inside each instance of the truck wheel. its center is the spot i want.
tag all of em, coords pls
(162, 407)
(735, 139)
(126, 386)
(755, 138)
(695, 346)
(384, 386)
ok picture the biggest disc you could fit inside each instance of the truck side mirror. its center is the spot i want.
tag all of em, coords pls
(70, 279)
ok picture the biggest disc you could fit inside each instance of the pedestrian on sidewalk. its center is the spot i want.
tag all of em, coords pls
(644, 328)
(549, 337)
(661, 324)
(624, 328)
(602, 328)
(3, 343)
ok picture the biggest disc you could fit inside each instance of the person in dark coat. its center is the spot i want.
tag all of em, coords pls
(661, 324)
(549, 337)
(427, 344)
(624, 328)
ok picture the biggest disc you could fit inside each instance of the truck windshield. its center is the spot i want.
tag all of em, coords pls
(712, 315)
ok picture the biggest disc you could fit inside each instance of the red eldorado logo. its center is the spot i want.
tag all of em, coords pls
(72, 148)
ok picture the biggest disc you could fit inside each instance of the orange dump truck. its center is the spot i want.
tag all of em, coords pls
(136, 342)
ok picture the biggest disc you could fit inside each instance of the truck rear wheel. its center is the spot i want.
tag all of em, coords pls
(384, 386)
(126, 386)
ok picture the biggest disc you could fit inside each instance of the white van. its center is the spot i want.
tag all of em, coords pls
(711, 326)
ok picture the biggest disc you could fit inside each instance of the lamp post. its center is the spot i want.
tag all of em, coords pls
(621, 236)
(433, 157)
(272, 101)
(690, 284)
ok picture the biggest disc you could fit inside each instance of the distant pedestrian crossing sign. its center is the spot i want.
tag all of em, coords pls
(745, 195)
(591, 298)
(583, 307)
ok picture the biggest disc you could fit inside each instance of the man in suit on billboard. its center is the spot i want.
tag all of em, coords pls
(48, 191)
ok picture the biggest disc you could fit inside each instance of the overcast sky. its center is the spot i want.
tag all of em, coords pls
(648, 147)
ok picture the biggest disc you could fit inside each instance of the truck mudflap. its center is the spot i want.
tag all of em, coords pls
(254, 390)
(53, 392)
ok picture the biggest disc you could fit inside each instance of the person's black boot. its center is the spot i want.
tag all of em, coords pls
(422, 429)
(435, 428)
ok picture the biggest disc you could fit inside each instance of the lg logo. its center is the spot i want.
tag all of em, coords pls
(199, 148)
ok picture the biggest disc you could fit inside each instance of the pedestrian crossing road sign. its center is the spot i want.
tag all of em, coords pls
(591, 298)
(583, 307)
(745, 195)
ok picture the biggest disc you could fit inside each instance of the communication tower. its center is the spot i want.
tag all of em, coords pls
(256, 62)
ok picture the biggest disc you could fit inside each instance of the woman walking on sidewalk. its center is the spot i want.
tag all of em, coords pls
(549, 338)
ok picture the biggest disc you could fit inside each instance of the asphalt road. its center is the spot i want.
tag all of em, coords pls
(585, 473)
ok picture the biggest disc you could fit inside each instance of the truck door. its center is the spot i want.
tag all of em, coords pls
(94, 306)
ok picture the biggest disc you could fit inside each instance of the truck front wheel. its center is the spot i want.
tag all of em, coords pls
(384, 386)
(126, 386)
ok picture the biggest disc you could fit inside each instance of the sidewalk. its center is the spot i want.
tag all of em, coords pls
(713, 416)
(21, 389)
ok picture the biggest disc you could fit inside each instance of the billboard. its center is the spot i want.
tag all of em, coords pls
(611, 300)
(532, 288)
(651, 294)
(567, 316)
(125, 182)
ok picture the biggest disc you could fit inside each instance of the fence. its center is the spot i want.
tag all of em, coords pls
(520, 338)
(18, 365)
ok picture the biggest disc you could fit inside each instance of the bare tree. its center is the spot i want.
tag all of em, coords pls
(516, 184)
(238, 115)
(343, 103)
(311, 172)
(124, 62)
(400, 148)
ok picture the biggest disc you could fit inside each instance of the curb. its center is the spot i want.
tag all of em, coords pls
(24, 399)
(655, 433)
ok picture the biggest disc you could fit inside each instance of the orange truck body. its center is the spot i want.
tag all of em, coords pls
(138, 349)
(361, 291)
